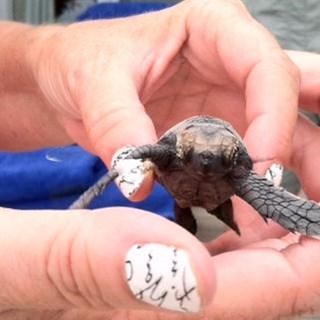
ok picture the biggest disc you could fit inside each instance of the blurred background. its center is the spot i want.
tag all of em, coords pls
(296, 24)
(44, 11)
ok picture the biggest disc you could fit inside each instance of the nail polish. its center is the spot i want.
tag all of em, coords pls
(162, 276)
(131, 172)
(274, 173)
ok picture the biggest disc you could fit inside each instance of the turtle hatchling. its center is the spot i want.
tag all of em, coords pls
(202, 162)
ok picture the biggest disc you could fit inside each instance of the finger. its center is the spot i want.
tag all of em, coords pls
(106, 259)
(271, 120)
(270, 81)
(278, 244)
(114, 117)
(272, 89)
(229, 241)
(267, 284)
(309, 66)
(113, 114)
(306, 156)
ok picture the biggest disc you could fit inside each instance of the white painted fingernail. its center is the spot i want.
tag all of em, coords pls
(131, 172)
(162, 276)
(275, 173)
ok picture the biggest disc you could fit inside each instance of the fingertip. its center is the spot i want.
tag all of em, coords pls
(269, 142)
(272, 93)
(145, 188)
(134, 176)
(160, 264)
(86, 254)
(306, 156)
(171, 272)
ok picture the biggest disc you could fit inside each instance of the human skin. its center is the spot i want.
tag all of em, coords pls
(86, 83)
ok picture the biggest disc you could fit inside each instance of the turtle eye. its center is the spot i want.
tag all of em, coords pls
(241, 162)
(189, 156)
(234, 155)
(231, 157)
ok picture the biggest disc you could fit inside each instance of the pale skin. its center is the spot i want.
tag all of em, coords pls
(85, 83)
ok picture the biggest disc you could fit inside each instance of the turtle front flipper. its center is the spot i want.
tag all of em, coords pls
(290, 211)
(224, 212)
(185, 218)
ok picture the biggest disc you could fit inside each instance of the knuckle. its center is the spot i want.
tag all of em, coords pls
(68, 270)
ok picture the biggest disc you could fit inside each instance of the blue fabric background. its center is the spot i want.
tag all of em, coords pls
(117, 10)
(55, 177)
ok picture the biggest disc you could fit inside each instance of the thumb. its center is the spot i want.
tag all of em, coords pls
(113, 114)
(105, 259)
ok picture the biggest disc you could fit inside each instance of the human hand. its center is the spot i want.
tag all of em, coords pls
(252, 294)
(265, 251)
(59, 265)
(199, 57)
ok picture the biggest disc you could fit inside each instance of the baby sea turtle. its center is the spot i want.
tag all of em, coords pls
(202, 162)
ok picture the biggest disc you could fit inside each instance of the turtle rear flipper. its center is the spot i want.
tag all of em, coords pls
(224, 212)
(291, 212)
(185, 218)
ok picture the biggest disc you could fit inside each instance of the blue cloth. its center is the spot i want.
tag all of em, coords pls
(117, 10)
(55, 177)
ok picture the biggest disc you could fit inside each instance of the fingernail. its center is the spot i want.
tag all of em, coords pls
(162, 276)
(131, 172)
(275, 173)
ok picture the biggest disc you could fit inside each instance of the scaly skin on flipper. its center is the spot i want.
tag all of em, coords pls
(290, 211)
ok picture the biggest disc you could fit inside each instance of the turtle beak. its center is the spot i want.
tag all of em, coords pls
(206, 164)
